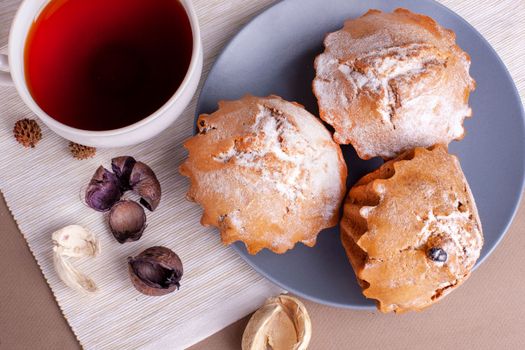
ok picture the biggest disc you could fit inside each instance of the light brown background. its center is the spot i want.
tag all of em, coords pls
(487, 312)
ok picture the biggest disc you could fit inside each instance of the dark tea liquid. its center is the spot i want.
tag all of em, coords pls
(106, 64)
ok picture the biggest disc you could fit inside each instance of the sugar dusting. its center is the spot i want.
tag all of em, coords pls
(376, 68)
(292, 154)
(395, 78)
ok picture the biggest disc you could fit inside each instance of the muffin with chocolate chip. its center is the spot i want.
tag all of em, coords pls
(411, 230)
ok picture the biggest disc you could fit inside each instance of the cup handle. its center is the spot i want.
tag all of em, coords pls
(5, 77)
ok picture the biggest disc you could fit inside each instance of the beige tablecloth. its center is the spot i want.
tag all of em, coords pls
(42, 186)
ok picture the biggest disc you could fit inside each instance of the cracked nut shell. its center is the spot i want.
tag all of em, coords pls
(144, 181)
(103, 190)
(139, 178)
(74, 241)
(122, 167)
(127, 221)
(281, 323)
(156, 271)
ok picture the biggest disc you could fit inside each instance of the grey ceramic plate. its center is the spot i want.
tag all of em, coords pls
(274, 54)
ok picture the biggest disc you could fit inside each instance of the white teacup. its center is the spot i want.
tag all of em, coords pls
(12, 72)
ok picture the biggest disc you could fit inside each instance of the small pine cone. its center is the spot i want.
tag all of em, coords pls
(81, 151)
(27, 132)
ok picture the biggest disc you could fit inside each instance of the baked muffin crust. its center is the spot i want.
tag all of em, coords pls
(411, 230)
(266, 173)
(390, 82)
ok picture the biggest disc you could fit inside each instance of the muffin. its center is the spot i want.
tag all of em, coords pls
(390, 82)
(266, 173)
(411, 230)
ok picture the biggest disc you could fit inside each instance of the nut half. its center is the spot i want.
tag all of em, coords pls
(156, 271)
(282, 323)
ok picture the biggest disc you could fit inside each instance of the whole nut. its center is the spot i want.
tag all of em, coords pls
(127, 221)
(156, 271)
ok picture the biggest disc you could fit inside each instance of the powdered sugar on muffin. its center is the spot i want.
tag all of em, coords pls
(266, 172)
(389, 82)
(411, 230)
